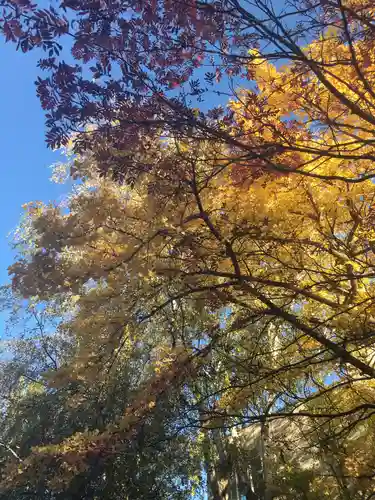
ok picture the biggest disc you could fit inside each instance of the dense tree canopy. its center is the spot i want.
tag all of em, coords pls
(212, 270)
(144, 66)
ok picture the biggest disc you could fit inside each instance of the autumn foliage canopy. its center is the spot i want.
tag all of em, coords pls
(212, 268)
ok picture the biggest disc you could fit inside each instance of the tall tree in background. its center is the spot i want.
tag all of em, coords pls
(233, 245)
(155, 462)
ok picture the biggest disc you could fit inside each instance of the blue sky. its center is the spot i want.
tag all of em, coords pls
(25, 158)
